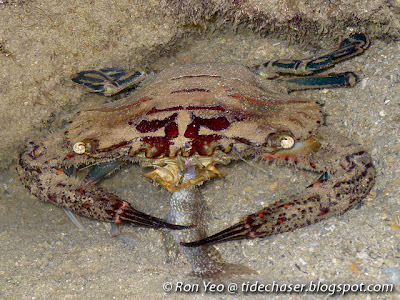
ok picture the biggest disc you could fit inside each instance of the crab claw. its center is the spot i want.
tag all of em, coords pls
(238, 231)
(348, 175)
(128, 214)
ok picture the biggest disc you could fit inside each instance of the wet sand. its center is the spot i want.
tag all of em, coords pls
(44, 256)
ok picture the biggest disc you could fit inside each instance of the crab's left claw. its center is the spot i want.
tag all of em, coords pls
(238, 231)
(347, 177)
(252, 226)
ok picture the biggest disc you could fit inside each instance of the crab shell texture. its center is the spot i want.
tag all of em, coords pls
(215, 112)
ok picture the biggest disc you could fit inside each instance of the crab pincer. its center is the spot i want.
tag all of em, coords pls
(59, 186)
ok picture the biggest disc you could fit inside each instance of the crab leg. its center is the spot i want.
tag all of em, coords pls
(100, 171)
(46, 180)
(109, 82)
(348, 176)
(354, 45)
(333, 80)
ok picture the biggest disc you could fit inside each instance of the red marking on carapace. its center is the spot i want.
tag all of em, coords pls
(159, 145)
(175, 108)
(218, 108)
(286, 205)
(243, 97)
(216, 124)
(86, 206)
(280, 221)
(80, 191)
(151, 126)
(201, 143)
(156, 110)
(197, 142)
(60, 171)
(260, 215)
(191, 91)
(197, 76)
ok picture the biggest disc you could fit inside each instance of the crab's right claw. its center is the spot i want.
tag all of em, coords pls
(131, 215)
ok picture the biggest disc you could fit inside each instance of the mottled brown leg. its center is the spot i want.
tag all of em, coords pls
(44, 177)
(348, 176)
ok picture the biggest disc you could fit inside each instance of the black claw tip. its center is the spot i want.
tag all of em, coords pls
(177, 227)
(191, 244)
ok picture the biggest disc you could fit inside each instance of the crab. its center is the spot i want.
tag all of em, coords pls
(202, 115)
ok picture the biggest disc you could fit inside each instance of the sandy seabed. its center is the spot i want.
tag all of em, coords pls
(44, 256)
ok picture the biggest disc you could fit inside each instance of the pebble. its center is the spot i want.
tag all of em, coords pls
(362, 255)
(354, 268)
(302, 261)
(248, 189)
(390, 262)
(389, 160)
(273, 186)
(392, 275)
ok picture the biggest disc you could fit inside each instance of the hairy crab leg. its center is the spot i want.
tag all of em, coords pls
(109, 82)
(45, 179)
(348, 176)
(95, 174)
(354, 45)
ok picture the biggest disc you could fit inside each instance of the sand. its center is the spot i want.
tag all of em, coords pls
(44, 256)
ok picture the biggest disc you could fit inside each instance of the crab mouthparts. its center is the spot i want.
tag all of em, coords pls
(168, 171)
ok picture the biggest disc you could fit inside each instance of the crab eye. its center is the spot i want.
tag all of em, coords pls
(281, 140)
(287, 142)
(79, 148)
(85, 147)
